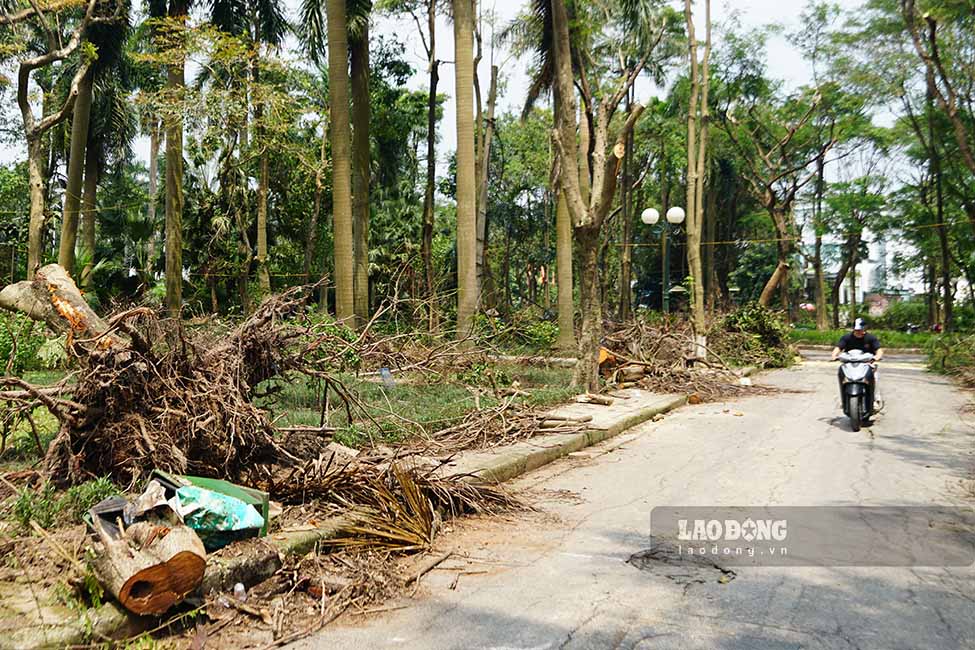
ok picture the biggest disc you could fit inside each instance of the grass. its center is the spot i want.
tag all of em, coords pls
(889, 339)
(414, 406)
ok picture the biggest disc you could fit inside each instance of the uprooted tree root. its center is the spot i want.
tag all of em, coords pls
(149, 394)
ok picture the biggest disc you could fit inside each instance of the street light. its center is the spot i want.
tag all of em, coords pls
(675, 217)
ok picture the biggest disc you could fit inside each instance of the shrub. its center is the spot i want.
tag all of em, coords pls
(759, 321)
(28, 337)
(900, 314)
(753, 334)
(36, 505)
(46, 508)
(80, 498)
(953, 354)
(541, 334)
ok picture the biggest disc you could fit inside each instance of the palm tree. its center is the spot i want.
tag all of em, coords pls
(177, 11)
(338, 75)
(359, 64)
(354, 21)
(532, 32)
(466, 181)
(76, 166)
(269, 29)
(111, 128)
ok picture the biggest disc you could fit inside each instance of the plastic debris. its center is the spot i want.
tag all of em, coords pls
(218, 519)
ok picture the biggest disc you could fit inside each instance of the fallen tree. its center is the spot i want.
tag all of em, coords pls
(147, 394)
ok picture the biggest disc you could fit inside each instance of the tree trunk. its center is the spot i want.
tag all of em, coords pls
(780, 276)
(626, 254)
(466, 182)
(948, 296)
(36, 163)
(714, 295)
(338, 74)
(174, 193)
(311, 236)
(822, 318)
(89, 215)
(563, 257)
(507, 269)
(361, 116)
(263, 272)
(586, 375)
(76, 166)
(426, 246)
(697, 133)
(935, 170)
(149, 271)
(853, 288)
(852, 242)
(483, 167)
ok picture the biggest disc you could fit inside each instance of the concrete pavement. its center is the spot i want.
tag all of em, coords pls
(566, 577)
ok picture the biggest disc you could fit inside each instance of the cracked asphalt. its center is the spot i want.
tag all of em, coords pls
(560, 577)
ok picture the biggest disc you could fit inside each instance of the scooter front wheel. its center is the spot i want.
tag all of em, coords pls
(856, 412)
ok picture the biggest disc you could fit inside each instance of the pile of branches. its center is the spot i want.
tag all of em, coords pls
(150, 394)
(656, 353)
(504, 424)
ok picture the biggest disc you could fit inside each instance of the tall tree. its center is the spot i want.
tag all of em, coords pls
(55, 48)
(948, 81)
(173, 15)
(76, 170)
(532, 32)
(361, 170)
(424, 15)
(590, 194)
(467, 297)
(776, 140)
(338, 75)
(698, 117)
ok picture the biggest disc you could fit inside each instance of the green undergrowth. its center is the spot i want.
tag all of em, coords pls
(953, 354)
(889, 339)
(415, 405)
(48, 507)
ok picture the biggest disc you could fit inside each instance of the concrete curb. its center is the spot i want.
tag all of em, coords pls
(513, 461)
(259, 559)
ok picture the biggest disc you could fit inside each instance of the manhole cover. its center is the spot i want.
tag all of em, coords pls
(666, 560)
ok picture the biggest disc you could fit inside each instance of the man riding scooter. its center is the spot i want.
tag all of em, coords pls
(860, 339)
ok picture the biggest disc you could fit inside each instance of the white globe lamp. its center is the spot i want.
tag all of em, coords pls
(675, 215)
(650, 216)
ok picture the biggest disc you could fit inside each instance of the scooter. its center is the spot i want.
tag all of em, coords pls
(857, 386)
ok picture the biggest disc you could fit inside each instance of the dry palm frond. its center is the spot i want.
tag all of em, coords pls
(389, 505)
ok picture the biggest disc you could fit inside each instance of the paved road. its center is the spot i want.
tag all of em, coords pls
(560, 578)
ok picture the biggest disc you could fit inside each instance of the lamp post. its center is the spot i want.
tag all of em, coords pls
(675, 217)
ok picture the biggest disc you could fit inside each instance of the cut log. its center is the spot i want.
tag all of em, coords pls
(633, 373)
(149, 568)
(591, 398)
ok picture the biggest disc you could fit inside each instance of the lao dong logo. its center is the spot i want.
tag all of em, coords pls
(731, 530)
